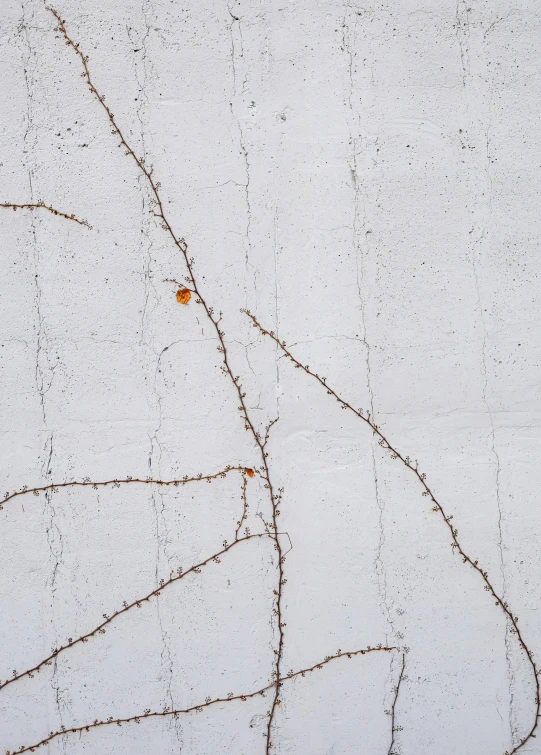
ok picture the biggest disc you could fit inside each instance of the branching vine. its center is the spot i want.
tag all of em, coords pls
(231, 697)
(138, 602)
(437, 507)
(182, 246)
(185, 290)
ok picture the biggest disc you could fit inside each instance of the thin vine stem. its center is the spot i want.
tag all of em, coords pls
(182, 246)
(100, 628)
(138, 602)
(437, 507)
(271, 527)
(42, 206)
(246, 472)
(200, 706)
(244, 507)
(393, 708)
(95, 484)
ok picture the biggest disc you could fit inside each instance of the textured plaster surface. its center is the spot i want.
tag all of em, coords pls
(365, 178)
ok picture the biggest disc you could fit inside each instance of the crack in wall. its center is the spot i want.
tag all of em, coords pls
(275, 248)
(139, 45)
(361, 246)
(162, 535)
(462, 31)
(479, 182)
(42, 365)
(358, 141)
(237, 56)
(361, 141)
(44, 369)
(139, 41)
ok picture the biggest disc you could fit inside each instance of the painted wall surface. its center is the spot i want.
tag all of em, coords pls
(364, 178)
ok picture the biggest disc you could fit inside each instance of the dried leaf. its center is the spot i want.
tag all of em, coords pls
(249, 472)
(183, 295)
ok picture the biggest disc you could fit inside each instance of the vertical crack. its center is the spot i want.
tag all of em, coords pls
(44, 369)
(360, 140)
(360, 246)
(480, 210)
(139, 41)
(276, 313)
(462, 27)
(497, 470)
(237, 56)
(162, 540)
(139, 44)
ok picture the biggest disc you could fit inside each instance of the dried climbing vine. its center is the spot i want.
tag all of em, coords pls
(193, 287)
(100, 628)
(231, 697)
(43, 206)
(183, 295)
(185, 291)
(437, 507)
(96, 484)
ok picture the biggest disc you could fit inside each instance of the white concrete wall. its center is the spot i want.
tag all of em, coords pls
(365, 178)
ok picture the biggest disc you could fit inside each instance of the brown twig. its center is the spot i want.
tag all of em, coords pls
(182, 246)
(437, 507)
(178, 283)
(244, 508)
(394, 728)
(87, 482)
(100, 629)
(43, 206)
(198, 708)
(268, 429)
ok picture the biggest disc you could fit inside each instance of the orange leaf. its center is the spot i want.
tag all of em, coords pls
(249, 472)
(183, 295)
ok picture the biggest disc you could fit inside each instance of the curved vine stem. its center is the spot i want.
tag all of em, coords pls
(182, 246)
(393, 708)
(138, 602)
(200, 706)
(437, 507)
